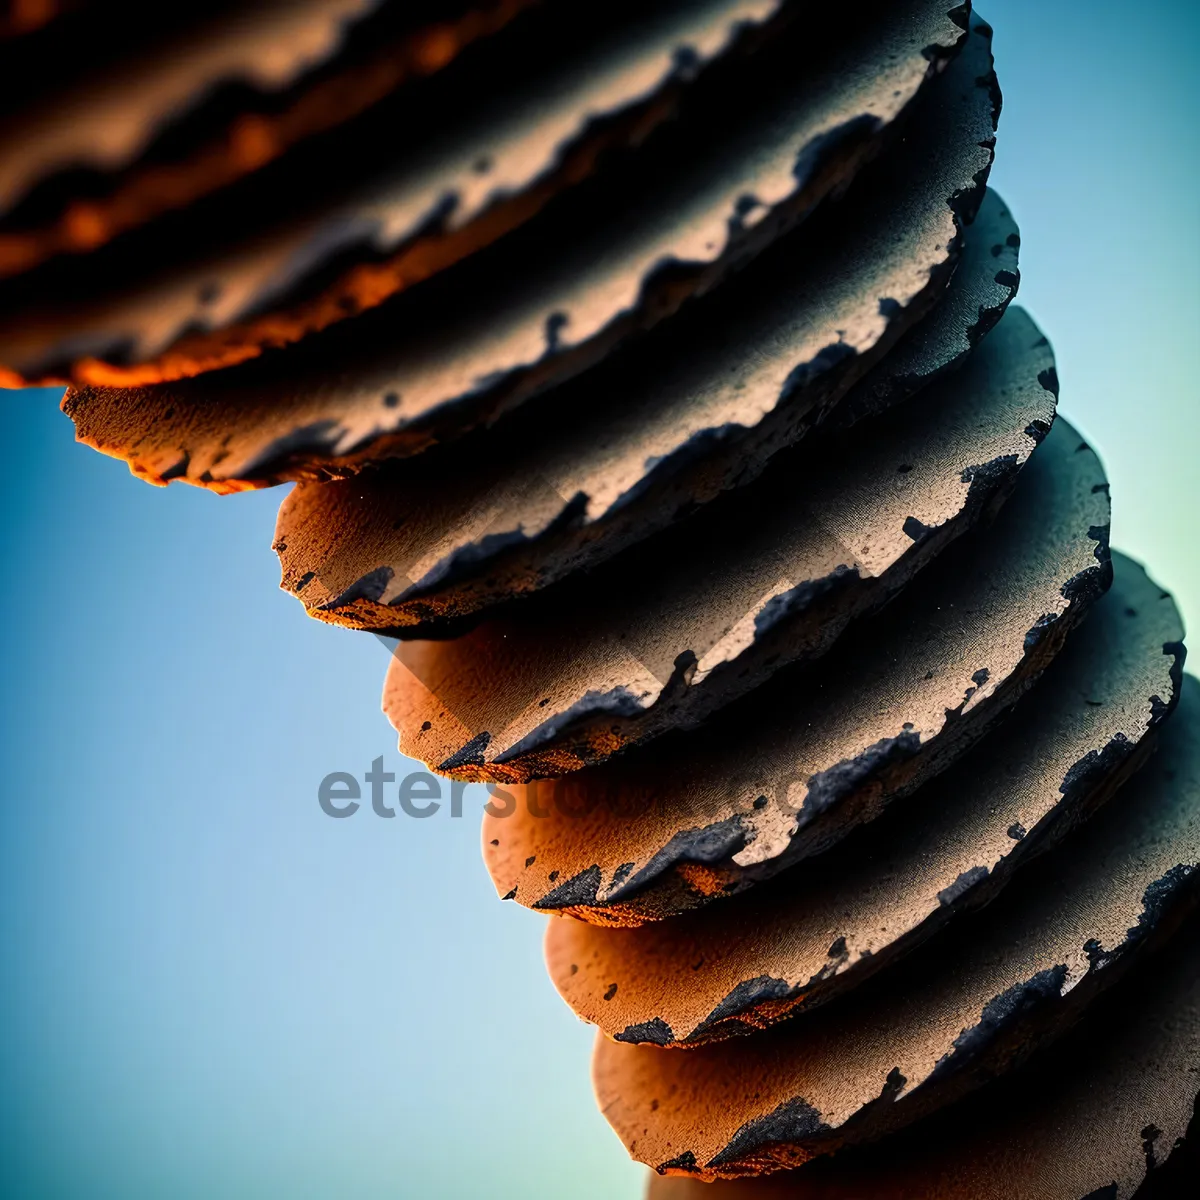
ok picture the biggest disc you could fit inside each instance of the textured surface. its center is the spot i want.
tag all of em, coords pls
(803, 938)
(405, 375)
(154, 134)
(480, 175)
(699, 409)
(791, 768)
(718, 607)
(967, 1007)
(983, 285)
(837, 686)
(1099, 1117)
(105, 120)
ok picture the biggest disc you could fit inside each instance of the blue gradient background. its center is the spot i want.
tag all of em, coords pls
(210, 988)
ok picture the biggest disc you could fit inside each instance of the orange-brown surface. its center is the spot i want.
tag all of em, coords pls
(700, 618)
(651, 370)
(968, 1008)
(407, 376)
(24, 16)
(106, 122)
(807, 936)
(1102, 1115)
(795, 765)
(477, 180)
(571, 480)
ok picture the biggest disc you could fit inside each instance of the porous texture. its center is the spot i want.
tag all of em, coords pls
(482, 175)
(1109, 1114)
(652, 387)
(947, 1020)
(822, 928)
(792, 768)
(772, 579)
(699, 410)
(398, 379)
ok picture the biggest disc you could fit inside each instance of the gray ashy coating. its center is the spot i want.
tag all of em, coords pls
(984, 284)
(966, 1008)
(787, 771)
(697, 409)
(816, 931)
(1109, 1113)
(106, 117)
(696, 619)
(399, 378)
(417, 211)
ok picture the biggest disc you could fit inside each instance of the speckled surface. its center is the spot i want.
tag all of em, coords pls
(382, 386)
(787, 771)
(984, 284)
(1101, 1116)
(812, 933)
(649, 372)
(485, 174)
(571, 480)
(953, 1016)
(708, 613)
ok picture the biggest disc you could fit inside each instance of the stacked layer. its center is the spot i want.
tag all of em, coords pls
(651, 375)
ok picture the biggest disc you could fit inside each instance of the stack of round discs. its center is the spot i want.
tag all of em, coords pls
(648, 372)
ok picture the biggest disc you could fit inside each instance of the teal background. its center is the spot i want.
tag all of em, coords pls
(212, 989)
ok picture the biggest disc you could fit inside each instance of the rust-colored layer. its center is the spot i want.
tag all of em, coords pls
(479, 178)
(790, 769)
(707, 613)
(965, 1009)
(1110, 1113)
(809, 935)
(107, 122)
(398, 379)
(700, 409)
(18, 17)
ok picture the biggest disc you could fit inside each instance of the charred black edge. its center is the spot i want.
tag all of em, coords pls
(492, 397)
(1013, 1025)
(213, 107)
(1087, 785)
(1169, 1180)
(989, 484)
(655, 1032)
(602, 132)
(1042, 641)
(416, 601)
(878, 391)
(706, 845)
